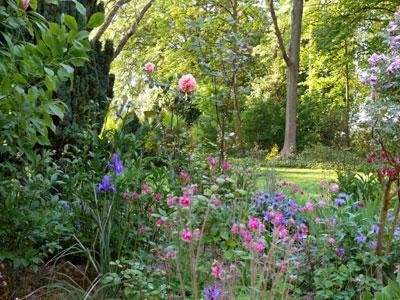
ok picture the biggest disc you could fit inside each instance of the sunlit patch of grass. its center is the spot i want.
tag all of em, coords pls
(306, 179)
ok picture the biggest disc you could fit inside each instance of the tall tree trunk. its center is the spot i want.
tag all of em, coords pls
(292, 60)
(347, 97)
(235, 84)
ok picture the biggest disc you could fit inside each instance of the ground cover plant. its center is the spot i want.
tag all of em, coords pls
(181, 150)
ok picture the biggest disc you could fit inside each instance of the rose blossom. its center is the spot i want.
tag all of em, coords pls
(187, 83)
(149, 67)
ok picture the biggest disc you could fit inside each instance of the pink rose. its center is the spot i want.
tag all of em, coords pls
(187, 83)
(149, 68)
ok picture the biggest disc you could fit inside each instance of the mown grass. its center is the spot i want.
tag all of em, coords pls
(306, 179)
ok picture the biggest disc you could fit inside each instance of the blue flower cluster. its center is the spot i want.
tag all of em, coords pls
(278, 204)
(212, 292)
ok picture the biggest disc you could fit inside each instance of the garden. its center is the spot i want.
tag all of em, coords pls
(200, 150)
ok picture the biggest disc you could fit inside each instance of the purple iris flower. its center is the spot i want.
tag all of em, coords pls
(361, 239)
(342, 195)
(212, 292)
(117, 164)
(105, 185)
(397, 231)
(66, 205)
(372, 244)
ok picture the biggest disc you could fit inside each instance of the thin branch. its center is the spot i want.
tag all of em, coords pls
(132, 29)
(278, 33)
(108, 20)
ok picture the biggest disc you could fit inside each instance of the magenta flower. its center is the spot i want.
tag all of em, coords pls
(149, 67)
(157, 197)
(226, 166)
(259, 246)
(185, 201)
(308, 207)
(253, 223)
(331, 241)
(145, 187)
(235, 229)
(295, 189)
(216, 270)
(282, 232)
(185, 177)
(143, 230)
(197, 233)
(186, 235)
(125, 195)
(187, 83)
(159, 222)
(171, 201)
(135, 195)
(247, 237)
(171, 254)
(212, 161)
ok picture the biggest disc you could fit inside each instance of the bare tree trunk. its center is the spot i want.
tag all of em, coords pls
(235, 85)
(292, 60)
(347, 97)
(132, 29)
(108, 20)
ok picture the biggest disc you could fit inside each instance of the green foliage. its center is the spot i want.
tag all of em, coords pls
(31, 73)
(87, 98)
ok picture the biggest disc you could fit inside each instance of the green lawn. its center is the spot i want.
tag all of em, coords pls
(306, 179)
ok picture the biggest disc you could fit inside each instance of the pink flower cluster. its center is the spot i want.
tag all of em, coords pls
(252, 234)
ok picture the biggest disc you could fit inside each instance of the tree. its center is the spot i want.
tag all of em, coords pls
(292, 60)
